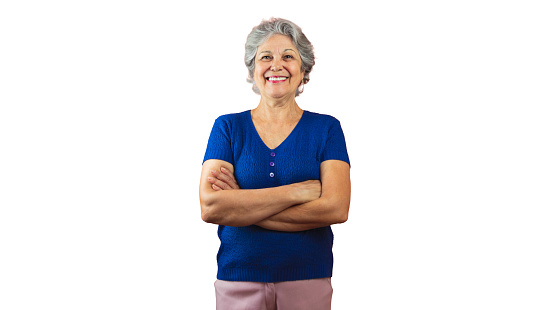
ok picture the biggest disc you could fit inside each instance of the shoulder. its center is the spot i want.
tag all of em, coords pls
(232, 119)
(324, 121)
(318, 117)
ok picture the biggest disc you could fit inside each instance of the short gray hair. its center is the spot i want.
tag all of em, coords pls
(264, 31)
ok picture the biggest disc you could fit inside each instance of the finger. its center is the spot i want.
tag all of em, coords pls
(214, 181)
(230, 182)
(216, 187)
(221, 176)
(219, 183)
(231, 179)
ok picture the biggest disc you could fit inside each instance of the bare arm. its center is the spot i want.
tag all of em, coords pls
(238, 207)
(331, 208)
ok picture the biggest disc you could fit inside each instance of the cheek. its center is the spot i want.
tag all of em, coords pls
(260, 67)
(258, 73)
(295, 69)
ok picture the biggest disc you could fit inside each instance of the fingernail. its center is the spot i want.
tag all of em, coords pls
(223, 169)
(210, 179)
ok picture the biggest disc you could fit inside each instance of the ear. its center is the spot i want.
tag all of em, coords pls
(303, 78)
(300, 88)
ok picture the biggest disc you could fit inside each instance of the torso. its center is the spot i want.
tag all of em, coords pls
(249, 253)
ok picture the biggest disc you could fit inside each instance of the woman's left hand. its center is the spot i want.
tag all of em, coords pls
(223, 180)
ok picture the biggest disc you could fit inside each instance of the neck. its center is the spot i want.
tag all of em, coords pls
(277, 109)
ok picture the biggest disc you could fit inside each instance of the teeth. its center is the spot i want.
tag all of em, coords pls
(277, 78)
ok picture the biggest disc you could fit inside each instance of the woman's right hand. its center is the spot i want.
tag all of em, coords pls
(308, 190)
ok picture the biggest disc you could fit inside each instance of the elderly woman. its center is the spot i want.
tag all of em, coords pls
(274, 179)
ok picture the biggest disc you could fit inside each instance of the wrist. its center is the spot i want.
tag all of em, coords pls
(300, 193)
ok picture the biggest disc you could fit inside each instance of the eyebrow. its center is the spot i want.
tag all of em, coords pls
(288, 49)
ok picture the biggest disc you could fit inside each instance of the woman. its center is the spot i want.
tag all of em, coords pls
(275, 178)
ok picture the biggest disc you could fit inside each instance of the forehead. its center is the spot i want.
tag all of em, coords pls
(277, 43)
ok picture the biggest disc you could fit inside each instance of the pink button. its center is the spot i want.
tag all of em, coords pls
(272, 164)
(272, 175)
(273, 154)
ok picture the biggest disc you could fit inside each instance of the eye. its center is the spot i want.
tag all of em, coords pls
(288, 56)
(265, 57)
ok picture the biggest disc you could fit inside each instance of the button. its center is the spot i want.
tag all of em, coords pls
(273, 154)
(272, 164)
(272, 175)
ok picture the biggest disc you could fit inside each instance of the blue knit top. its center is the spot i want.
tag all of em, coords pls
(252, 253)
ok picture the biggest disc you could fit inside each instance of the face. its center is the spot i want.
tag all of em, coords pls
(277, 71)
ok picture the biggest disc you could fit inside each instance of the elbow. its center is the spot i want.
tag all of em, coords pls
(343, 218)
(215, 210)
(206, 215)
(341, 215)
(212, 213)
(337, 209)
(208, 209)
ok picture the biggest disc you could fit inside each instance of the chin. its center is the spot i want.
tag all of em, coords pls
(280, 94)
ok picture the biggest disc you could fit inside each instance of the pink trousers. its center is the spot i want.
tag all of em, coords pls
(315, 294)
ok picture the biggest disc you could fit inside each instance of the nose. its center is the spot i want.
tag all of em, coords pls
(276, 65)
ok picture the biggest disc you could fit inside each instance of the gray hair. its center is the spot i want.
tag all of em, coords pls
(264, 31)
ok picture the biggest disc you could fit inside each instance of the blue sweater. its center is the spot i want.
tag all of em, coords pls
(252, 253)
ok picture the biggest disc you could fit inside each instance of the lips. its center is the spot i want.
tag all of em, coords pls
(276, 79)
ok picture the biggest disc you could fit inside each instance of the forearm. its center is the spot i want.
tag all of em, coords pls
(288, 227)
(317, 213)
(246, 207)
(331, 208)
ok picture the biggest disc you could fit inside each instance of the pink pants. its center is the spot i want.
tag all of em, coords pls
(315, 294)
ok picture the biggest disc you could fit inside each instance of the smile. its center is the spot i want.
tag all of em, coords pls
(276, 79)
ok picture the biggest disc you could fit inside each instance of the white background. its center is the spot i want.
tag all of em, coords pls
(448, 108)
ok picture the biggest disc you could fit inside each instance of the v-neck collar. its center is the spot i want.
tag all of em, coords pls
(250, 121)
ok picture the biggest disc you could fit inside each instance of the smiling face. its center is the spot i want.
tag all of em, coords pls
(277, 72)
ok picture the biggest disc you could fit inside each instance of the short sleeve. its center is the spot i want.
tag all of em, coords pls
(335, 147)
(219, 145)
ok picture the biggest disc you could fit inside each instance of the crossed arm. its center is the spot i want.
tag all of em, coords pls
(294, 207)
